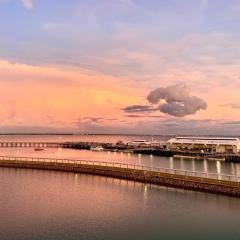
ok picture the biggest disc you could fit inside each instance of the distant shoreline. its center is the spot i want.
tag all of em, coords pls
(111, 134)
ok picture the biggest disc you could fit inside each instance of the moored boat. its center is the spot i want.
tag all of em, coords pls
(96, 148)
(38, 149)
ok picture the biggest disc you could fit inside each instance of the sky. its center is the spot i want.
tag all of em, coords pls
(120, 66)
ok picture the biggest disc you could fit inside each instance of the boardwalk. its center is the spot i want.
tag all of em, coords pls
(199, 181)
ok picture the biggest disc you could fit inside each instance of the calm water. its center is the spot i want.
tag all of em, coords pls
(52, 205)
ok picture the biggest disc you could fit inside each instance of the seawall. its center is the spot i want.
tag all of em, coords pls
(229, 188)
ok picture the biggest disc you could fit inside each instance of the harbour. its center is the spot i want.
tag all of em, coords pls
(68, 167)
(78, 147)
(157, 149)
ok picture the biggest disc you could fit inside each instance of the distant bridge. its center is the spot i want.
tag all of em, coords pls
(190, 180)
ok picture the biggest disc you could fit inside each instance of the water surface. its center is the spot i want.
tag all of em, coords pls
(38, 204)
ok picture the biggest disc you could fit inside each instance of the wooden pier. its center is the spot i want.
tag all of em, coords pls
(31, 144)
(189, 180)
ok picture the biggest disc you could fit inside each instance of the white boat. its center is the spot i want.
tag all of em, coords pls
(136, 143)
(96, 148)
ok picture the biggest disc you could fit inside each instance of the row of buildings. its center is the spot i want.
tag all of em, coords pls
(205, 144)
(200, 144)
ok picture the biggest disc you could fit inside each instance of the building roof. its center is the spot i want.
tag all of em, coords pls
(205, 140)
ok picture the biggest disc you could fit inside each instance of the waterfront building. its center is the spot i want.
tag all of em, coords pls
(205, 144)
(139, 143)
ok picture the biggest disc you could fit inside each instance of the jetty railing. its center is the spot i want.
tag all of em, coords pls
(122, 166)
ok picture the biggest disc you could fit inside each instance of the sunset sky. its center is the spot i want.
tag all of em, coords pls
(120, 66)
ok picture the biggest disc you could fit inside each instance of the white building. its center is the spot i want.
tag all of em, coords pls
(206, 144)
(139, 143)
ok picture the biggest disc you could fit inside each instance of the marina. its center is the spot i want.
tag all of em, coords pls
(115, 149)
(138, 147)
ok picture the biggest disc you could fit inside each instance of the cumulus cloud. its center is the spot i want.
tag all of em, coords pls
(180, 109)
(173, 100)
(28, 4)
(174, 93)
(176, 100)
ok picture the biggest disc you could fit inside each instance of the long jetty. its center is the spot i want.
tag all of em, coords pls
(189, 180)
(31, 144)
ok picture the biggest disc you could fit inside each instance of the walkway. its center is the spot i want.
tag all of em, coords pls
(191, 180)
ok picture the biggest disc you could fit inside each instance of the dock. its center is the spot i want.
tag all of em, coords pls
(190, 180)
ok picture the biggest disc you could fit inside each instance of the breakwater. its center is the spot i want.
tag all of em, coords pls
(189, 180)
